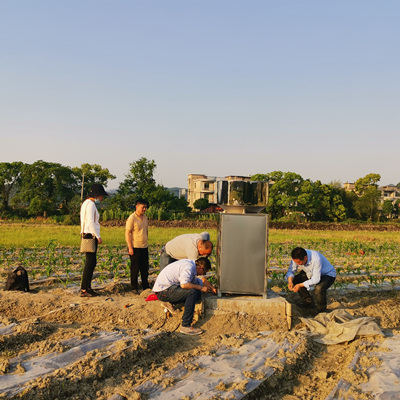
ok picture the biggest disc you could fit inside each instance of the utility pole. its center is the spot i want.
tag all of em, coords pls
(83, 180)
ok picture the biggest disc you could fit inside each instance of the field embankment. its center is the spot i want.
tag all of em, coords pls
(319, 226)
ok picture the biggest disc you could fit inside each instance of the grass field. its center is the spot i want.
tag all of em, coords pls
(360, 257)
(27, 235)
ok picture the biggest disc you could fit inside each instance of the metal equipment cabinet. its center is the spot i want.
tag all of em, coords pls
(242, 254)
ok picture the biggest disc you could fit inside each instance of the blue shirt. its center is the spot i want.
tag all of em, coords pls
(316, 266)
(177, 273)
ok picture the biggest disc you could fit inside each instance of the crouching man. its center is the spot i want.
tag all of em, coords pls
(312, 268)
(178, 283)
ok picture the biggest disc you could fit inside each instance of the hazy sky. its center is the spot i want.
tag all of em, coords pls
(214, 87)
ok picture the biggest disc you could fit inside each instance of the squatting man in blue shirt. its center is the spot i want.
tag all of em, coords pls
(312, 268)
(178, 283)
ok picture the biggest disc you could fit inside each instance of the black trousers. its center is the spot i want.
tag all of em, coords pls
(90, 265)
(320, 290)
(140, 262)
(165, 259)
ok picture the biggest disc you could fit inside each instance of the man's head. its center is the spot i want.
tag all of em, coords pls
(204, 247)
(141, 206)
(203, 265)
(299, 256)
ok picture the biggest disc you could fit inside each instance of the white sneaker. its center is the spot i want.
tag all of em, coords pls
(168, 306)
(189, 330)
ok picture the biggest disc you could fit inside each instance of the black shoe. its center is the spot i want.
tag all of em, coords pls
(92, 292)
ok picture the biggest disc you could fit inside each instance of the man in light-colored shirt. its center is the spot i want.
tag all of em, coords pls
(312, 268)
(178, 283)
(190, 246)
(136, 234)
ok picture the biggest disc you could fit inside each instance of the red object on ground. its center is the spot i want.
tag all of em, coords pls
(151, 297)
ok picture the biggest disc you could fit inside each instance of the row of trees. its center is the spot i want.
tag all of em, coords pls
(291, 195)
(45, 188)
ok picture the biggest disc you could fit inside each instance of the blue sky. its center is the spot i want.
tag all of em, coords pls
(214, 87)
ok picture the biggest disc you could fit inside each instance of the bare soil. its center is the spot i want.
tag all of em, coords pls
(311, 373)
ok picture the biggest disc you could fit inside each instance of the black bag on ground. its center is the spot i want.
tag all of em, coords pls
(18, 280)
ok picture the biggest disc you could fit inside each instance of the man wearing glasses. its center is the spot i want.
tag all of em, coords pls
(178, 283)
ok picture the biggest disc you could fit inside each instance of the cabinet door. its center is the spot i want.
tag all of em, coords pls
(242, 253)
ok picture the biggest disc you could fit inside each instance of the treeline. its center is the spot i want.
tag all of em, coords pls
(45, 189)
(292, 198)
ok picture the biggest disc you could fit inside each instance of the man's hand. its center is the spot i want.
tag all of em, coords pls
(208, 285)
(297, 287)
(99, 241)
(130, 251)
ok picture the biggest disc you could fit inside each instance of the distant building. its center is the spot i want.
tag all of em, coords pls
(178, 192)
(205, 187)
(183, 193)
(349, 186)
(388, 192)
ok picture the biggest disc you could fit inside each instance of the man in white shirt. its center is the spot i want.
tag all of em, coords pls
(178, 283)
(190, 246)
(312, 268)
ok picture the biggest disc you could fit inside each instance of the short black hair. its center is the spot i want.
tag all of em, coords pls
(141, 201)
(204, 263)
(298, 253)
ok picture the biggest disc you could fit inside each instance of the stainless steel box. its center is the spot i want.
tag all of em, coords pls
(242, 253)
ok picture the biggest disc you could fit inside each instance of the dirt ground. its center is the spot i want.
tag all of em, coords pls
(311, 373)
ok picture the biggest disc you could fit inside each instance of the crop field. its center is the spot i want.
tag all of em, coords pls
(360, 264)
(53, 322)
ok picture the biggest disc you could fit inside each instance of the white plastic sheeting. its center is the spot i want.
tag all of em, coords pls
(384, 379)
(39, 366)
(339, 326)
(228, 366)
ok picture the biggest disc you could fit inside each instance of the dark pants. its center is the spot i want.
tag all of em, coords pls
(90, 265)
(139, 262)
(165, 259)
(175, 294)
(320, 290)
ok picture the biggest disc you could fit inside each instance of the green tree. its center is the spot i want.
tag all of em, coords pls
(396, 207)
(366, 206)
(322, 201)
(139, 182)
(370, 180)
(387, 208)
(201, 204)
(91, 174)
(283, 193)
(10, 177)
(349, 199)
(45, 186)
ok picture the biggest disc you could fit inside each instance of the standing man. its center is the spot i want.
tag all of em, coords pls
(190, 246)
(136, 234)
(312, 268)
(178, 283)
